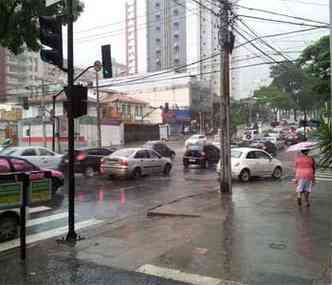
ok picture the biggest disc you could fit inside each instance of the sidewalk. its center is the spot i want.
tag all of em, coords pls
(255, 236)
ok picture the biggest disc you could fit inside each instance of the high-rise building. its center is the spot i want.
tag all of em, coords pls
(209, 25)
(166, 34)
(131, 37)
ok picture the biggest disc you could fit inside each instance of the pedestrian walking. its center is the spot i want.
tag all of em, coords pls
(305, 168)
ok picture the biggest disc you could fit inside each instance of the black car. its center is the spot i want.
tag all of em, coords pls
(201, 155)
(87, 160)
(10, 164)
(160, 147)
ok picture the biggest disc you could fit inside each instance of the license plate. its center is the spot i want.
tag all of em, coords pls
(66, 160)
(192, 160)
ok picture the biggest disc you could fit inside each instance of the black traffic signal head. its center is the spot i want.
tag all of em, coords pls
(79, 99)
(51, 39)
(25, 103)
(106, 61)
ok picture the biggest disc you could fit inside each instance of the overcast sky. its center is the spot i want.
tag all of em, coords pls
(103, 23)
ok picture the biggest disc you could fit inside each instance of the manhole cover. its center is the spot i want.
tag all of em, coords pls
(277, 246)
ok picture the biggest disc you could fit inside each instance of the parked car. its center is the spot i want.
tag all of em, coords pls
(87, 160)
(39, 156)
(134, 163)
(196, 140)
(250, 134)
(10, 164)
(201, 155)
(251, 162)
(265, 144)
(294, 138)
(160, 147)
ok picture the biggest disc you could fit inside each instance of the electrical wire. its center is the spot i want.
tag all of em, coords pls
(281, 21)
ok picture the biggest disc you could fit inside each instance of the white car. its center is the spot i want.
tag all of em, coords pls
(196, 140)
(252, 162)
(39, 156)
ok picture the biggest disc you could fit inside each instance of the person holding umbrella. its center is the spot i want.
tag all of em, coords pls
(305, 168)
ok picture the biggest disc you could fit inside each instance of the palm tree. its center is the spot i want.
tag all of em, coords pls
(325, 135)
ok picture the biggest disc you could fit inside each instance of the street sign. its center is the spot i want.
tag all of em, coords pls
(10, 195)
(97, 65)
(51, 2)
(40, 191)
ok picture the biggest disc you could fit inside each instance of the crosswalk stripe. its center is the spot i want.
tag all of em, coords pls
(47, 219)
(47, 234)
(323, 179)
(178, 275)
(35, 210)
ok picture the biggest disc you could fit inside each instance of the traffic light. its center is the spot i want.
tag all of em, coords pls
(25, 103)
(51, 39)
(106, 61)
(79, 100)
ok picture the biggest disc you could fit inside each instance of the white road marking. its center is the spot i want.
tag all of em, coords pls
(34, 210)
(182, 276)
(47, 234)
(46, 219)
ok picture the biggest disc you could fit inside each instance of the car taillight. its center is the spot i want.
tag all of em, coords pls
(102, 160)
(81, 156)
(203, 154)
(124, 162)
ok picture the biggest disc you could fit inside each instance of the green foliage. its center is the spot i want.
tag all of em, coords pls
(19, 22)
(292, 80)
(274, 97)
(325, 143)
(315, 61)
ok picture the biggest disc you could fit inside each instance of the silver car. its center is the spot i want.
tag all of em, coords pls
(39, 156)
(135, 162)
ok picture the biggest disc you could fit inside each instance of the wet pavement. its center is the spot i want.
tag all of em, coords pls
(257, 235)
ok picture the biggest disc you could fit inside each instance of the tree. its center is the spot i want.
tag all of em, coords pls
(293, 81)
(325, 143)
(315, 61)
(19, 22)
(273, 97)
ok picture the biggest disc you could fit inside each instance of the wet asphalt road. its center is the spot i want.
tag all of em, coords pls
(112, 199)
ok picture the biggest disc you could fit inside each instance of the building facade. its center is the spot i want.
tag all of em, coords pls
(131, 37)
(166, 34)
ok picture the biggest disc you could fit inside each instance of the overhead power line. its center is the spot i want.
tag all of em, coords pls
(284, 22)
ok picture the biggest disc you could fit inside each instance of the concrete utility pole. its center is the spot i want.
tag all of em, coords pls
(98, 66)
(225, 46)
(42, 105)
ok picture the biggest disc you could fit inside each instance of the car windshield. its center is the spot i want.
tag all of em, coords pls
(123, 152)
(9, 151)
(197, 137)
(236, 153)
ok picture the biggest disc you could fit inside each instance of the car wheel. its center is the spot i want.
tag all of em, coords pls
(277, 173)
(89, 171)
(167, 169)
(172, 156)
(8, 228)
(136, 173)
(185, 164)
(245, 175)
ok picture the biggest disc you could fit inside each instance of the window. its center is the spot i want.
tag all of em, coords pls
(140, 110)
(251, 155)
(153, 155)
(45, 152)
(123, 107)
(236, 154)
(4, 166)
(262, 155)
(157, 40)
(176, 12)
(157, 5)
(21, 165)
(136, 111)
(142, 154)
(158, 29)
(176, 24)
(29, 152)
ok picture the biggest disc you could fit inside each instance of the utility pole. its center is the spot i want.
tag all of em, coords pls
(71, 236)
(97, 67)
(226, 48)
(42, 105)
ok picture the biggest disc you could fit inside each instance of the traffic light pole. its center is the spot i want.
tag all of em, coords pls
(71, 236)
(99, 143)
